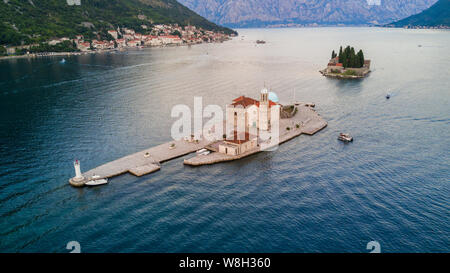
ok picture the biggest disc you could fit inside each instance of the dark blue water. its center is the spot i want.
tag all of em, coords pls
(314, 194)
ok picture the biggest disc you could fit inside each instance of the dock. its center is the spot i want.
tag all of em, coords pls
(146, 161)
(305, 121)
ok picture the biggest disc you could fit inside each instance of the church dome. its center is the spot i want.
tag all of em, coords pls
(273, 97)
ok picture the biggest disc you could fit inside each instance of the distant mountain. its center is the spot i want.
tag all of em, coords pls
(436, 16)
(262, 13)
(30, 21)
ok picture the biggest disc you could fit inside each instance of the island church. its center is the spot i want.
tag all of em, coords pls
(253, 114)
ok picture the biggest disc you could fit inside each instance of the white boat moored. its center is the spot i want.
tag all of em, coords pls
(96, 181)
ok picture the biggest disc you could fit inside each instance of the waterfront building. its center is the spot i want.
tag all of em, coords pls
(134, 43)
(84, 46)
(255, 114)
(238, 144)
(170, 39)
(248, 113)
(121, 43)
(128, 37)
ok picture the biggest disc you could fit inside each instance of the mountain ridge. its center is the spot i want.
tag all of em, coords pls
(438, 15)
(266, 13)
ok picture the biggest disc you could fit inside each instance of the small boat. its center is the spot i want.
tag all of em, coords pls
(388, 96)
(206, 153)
(345, 137)
(260, 41)
(147, 155)
(97, 181)
(172, 146)
(62, 61)
(201, 151)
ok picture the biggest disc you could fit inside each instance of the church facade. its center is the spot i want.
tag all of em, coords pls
(246, 115)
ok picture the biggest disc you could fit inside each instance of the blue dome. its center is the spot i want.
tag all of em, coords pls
(273, 97)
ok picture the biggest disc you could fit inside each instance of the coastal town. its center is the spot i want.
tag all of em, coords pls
(125, 38)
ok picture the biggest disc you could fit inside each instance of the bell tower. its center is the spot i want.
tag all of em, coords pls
(264, 110)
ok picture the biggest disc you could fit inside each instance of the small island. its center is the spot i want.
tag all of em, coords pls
(347, 65)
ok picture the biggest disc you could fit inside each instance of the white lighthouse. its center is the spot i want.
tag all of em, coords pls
(264, 110)
(78, 175)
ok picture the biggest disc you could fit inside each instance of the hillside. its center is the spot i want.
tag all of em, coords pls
(264, 13)
(28, 21)
(436, 16)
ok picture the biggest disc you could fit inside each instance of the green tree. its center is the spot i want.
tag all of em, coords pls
(2, 51)
(360, 58)
(349, 58)
(333, 55)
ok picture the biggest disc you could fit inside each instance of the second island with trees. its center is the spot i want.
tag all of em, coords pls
(347, 64)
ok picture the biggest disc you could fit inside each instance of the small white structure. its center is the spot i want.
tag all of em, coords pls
(79, 180)
(78, 175)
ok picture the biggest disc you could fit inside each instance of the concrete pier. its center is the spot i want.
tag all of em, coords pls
(146, 161)
(149, 160)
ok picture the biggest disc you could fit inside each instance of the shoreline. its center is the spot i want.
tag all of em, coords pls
(341, 76)
(78, 53)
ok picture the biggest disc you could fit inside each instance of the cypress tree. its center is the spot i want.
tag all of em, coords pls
(361, 58)
(340, 54)
(352, 57)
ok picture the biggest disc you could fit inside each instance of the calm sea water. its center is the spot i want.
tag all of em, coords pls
(314, 194)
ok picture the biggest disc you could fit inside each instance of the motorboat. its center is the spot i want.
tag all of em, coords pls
(345, 137)
(62, 61)
(201, 151)
(96, 180)
(206, 153)
(388, 96)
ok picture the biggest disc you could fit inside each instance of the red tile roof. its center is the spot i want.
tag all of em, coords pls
(170, 36)
(246, 101)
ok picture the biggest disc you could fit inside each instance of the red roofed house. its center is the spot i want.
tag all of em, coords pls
(84, 46)
(170, 39)
(334, 66)
(98, 44)
(134, 43)
(121, 43)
